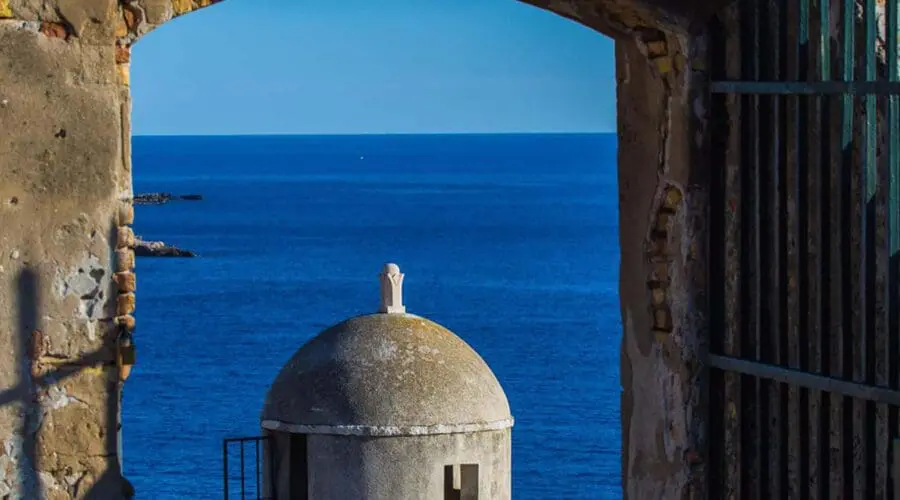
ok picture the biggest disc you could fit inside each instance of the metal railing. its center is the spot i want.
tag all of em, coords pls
(250, 484)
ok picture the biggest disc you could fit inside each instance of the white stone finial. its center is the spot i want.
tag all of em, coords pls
(392, 290)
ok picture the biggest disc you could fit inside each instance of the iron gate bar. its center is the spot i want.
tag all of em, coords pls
(871, 120)
(825, 315)
(772, 272)
(843, 406)
(258, 473)
(801, 403)
(893, 224)
(754, 410)
(781, 466)
(893, 11)
(880, 87)
(874, 423)
(723, 474)
(855, 336)
(805, 379)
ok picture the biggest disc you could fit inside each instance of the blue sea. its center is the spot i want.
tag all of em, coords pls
(511, 241)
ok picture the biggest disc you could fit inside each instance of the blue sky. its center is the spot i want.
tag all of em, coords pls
(358, 66)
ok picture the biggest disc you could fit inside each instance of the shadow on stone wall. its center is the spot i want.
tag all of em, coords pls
(32, 387)
(26, 393)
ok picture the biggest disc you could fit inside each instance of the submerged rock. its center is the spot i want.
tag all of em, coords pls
(159, 249)
(160, 198)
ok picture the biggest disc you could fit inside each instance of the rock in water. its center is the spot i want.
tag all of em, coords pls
(152, 198)
(159, 249)
(160, 198)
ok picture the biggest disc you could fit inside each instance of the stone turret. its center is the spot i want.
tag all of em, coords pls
(388, 406)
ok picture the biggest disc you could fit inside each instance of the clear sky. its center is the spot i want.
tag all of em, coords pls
(364, 66)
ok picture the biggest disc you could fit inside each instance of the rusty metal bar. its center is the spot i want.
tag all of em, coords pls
(724, 399)
(873, 422)
(772, 197)
(752, 411)
(801, 262)
(892, 281)
(805, 379)
(849, 432)
(831, 479)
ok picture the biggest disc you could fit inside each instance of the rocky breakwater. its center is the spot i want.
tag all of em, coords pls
(158, 249)
(160, 198)
(144, 248)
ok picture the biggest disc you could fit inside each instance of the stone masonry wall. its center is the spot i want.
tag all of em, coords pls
(66, 268)
(663, 219)
(63, 176)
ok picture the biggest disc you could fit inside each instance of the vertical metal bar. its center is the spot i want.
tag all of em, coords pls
(784, 272)
(769, 231)
(803, 262)
(874, 472)
(225, 465)
(893, 28)
(273, 480)
(893, 225)
(871, 62)
(848, 14)
(751, 334)
(243, 491)
(831, 485)
(758, 335)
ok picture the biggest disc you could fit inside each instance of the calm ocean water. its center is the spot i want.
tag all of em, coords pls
(509, 240)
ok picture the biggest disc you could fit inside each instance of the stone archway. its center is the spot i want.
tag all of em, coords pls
(67, 278)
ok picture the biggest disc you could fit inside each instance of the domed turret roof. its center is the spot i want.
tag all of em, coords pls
(390, 373)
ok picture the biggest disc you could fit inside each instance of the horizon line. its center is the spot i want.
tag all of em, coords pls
(378, 134)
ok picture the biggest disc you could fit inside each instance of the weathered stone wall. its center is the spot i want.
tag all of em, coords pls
(66, 277)
(409, 466)
(63, 165)
(663, 212)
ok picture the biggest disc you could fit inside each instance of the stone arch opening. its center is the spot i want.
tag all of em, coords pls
(66, 161)
(446, 298)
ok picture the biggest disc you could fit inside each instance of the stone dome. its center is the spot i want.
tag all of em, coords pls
(390, 373)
